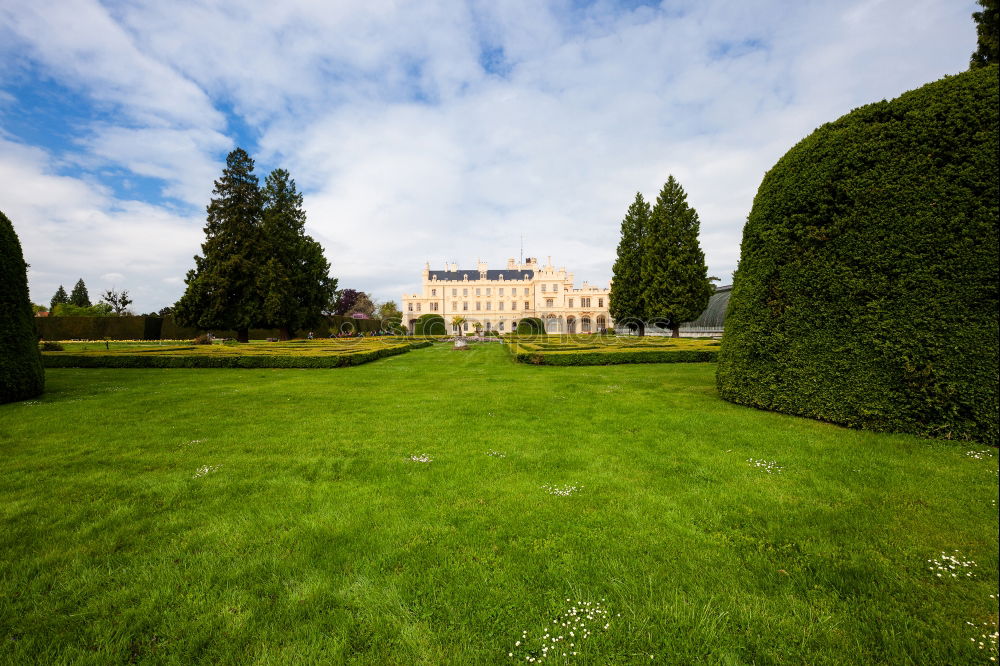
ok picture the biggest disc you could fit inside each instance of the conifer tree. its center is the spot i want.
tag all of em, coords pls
(625, 300)
(294, 280)
(79, 296)
(60, 297)
(221, 290)
(21, 374)
(988, 35)
(675, 277)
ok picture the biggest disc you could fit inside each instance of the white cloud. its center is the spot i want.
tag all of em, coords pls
(70, 229)
(408, 150)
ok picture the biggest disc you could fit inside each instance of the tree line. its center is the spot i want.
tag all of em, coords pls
(77, 302)
(659, 275)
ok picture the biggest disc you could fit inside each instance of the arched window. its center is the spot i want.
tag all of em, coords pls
(585, 324)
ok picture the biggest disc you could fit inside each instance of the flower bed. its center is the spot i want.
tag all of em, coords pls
(610, 350)
(297, 354)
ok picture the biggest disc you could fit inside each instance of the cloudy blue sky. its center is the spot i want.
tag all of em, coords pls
(425, 130)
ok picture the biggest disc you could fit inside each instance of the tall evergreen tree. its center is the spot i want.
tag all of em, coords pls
(58, 298)
(675, 277)
(294, 280)
(988, 35)
(79, 296)
(625, 300)
(21, 374)
(221, 290)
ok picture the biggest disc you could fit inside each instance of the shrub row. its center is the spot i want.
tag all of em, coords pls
(566, 350)
(612, 357)
(170, 358)
(165, 328)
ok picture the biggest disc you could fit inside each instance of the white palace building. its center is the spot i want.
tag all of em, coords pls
(497, 299)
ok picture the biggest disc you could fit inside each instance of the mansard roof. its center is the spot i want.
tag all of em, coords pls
(459, 276)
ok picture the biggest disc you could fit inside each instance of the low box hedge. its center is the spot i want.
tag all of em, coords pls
(320, 354)
(567, 350)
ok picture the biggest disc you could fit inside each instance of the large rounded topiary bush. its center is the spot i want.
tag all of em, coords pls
(429, 324)
(21, 374)
(530, 326)
(866, 293)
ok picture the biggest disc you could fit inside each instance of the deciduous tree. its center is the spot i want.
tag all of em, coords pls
(346, 298)
(118, 300)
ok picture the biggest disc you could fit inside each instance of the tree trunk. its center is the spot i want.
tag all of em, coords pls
(675, 331)
(642, 329)
(284, 333)
(243, 335)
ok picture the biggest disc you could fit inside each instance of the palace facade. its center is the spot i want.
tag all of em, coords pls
(497, 299)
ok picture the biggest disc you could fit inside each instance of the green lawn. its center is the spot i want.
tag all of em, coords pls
(274, 516)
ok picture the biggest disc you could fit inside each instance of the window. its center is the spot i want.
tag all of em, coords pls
(571, 302)
(585, 324)
(525, 291)
(409, 306)
(513, 325)
(527, 306)
(465, 292)
(500, 326)
(434, 306)
(513, 305)
(478, 305)
(465, 326)
(418, 307)
(434, 292)
(501, 291)
(584, 302)
(487, 326)
(600, 302)
(543, 287)
(454, 292)
(477, 291)
(501, 306)
(548, 302)
(454, 305)
(555, 287)
(465, 305)
(487, 291)
(489, 305)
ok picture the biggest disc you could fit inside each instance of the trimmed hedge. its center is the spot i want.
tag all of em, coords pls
(21, 374)
(430, 324)
(530, 326)
(866, 293)
(330, 354)
(165, 328)
(608, 357)
(608, 350)
(95, 328)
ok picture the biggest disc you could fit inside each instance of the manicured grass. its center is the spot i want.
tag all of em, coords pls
(274, 516)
